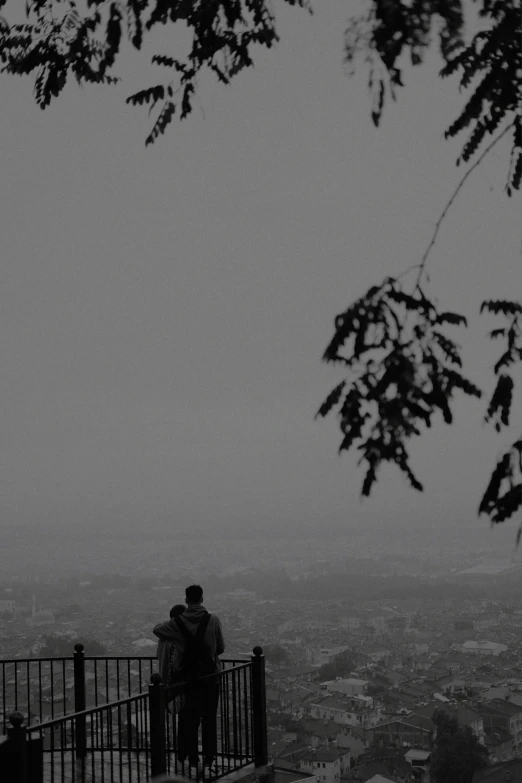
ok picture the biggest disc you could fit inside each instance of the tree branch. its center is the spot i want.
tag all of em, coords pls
(453, 197)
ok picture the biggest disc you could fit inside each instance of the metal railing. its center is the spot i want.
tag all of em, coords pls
(44, 688)
(138, 736)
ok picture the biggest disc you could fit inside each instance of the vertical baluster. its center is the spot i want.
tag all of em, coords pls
(73, 751)
(234, 715)
(95, 682)
(80, 701)
(51, 669)
(113, 746)
(129, 735)
(16, 686)
(239, 714)
(51, 742)
(120, 755)
(64, 687)
(40, 705)
(227, 717)
(4, 705)
(62, 752)
(259, 708)
(28, 693)
(139, 731)
(157, 725)
(247, 727)
(93, 740)
(144, 758)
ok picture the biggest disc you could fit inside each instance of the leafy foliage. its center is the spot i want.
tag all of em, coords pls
(58, 42)
(494, 56)
(392, 28)
(503, 495)
(457, 754)
(401, 372)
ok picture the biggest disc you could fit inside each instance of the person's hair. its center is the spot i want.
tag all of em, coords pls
(177, 610)
(194, 594)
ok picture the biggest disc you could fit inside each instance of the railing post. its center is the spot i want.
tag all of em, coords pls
(15, 763)
(259, 708)
(80, 702)
(158, 764)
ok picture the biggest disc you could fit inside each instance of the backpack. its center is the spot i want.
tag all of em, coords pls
(196, 658)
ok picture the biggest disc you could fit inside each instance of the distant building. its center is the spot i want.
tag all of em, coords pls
(144, 644)
(418, 759)
(463, 625)
(349, 686)
(412, 730)
(326, 764)
(499, 744)
(42, 618)
(292, 776)
(483, 648)
(7, 607)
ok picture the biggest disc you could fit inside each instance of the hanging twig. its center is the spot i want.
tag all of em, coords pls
(453, 197)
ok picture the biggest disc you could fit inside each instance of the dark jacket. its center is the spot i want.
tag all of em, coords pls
(191, 617)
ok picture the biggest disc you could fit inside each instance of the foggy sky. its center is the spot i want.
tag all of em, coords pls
(164, 311)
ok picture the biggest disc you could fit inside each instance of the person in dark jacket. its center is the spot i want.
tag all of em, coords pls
(200, 706)
(168, 654)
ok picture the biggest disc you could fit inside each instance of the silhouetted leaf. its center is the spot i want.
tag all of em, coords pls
(163, 120)
(503, 306)
(501, 399)
(451, 318)
(449, 347)
(331, 401)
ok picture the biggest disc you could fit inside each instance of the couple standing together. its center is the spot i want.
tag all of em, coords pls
(189, 648)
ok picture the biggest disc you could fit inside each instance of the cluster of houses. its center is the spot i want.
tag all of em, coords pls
(353, 729)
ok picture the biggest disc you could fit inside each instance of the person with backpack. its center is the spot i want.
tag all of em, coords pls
(198, 637)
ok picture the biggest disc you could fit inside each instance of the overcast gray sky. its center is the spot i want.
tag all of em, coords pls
(164, 311)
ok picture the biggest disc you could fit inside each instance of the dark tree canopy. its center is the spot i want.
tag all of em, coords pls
(397, 346)
(57, 647)
(276, 654)
(458, 754)
(340, 666)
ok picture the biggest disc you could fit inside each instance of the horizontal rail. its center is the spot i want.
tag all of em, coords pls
(53, 659)
(85, 713)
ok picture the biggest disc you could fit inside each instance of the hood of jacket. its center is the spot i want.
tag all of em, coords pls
(192, 616)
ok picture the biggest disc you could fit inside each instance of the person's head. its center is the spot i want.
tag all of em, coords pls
(194, 595)
(177, 610)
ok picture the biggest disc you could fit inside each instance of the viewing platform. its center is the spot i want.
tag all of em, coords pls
(84, 719)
